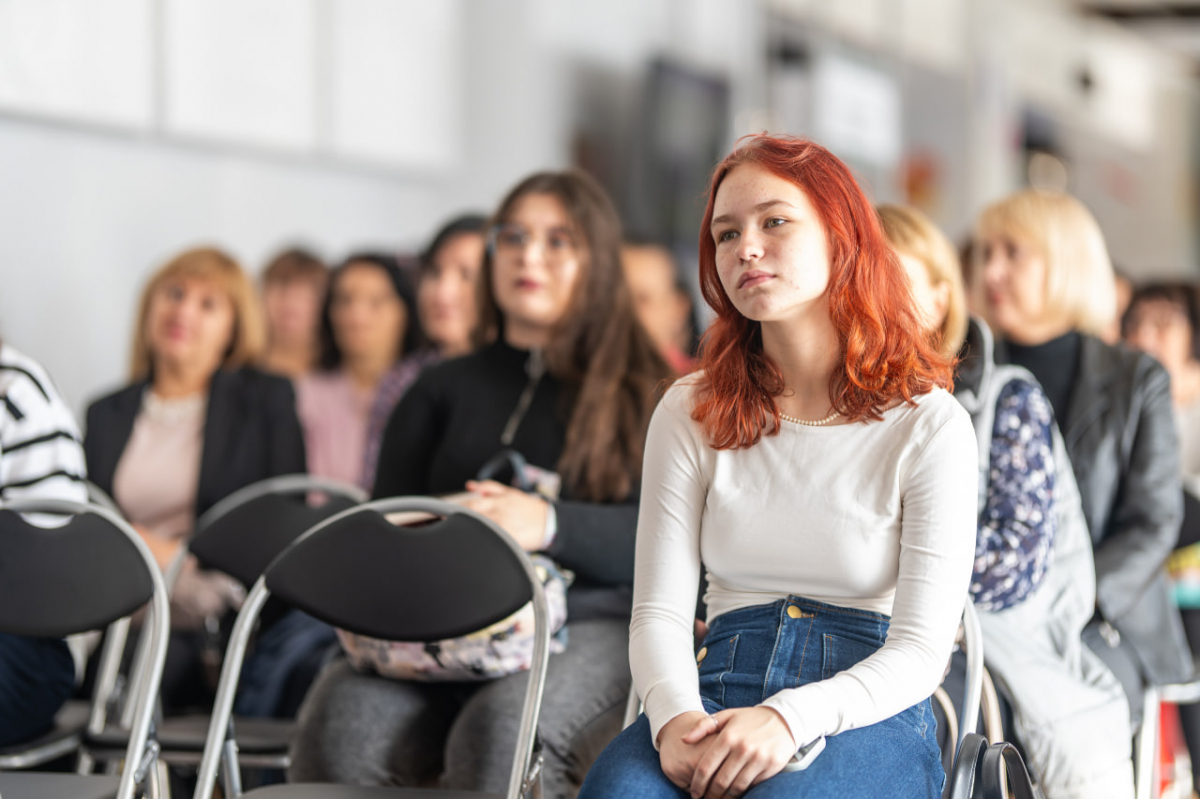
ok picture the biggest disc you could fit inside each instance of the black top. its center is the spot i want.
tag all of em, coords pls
(1054, 364)
(251, 432)
(449, 424)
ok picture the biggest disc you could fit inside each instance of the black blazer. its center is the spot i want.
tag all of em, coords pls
(251, 432)
(1120, 434)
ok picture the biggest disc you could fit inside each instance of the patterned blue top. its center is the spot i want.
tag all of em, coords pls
(1016, 527)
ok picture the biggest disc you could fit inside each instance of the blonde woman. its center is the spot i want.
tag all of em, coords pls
(1047, 285)
(194, 425)
(1033, 581)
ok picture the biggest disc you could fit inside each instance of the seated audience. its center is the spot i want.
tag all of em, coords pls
(293, 291)
(40, 458)
(1033, 583)
(1048, 294)
(566, 377)
(823, 475)
(194, 425)
(370, 353)
(1163, 320)
(662, 300)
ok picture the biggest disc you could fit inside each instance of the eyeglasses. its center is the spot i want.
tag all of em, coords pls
(508, 240)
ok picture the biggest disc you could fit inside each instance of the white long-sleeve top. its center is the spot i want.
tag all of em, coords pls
(877, 516)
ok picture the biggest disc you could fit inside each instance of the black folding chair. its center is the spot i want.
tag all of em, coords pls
(73, 578)
(240, 536)
(455, 574)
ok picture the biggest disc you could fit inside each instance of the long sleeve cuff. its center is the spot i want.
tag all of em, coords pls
(663, 704)
(551, 529)
(819, 717)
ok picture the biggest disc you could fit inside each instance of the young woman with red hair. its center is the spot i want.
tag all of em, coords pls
(819, 469)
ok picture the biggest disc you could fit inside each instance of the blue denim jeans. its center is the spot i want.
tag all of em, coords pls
(752, 653)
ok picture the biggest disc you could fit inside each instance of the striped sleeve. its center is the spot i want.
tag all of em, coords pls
(40, 451)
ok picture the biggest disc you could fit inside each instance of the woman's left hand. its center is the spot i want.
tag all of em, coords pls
(523, 516)
(753, 744)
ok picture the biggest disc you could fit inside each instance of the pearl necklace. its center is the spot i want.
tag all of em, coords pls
(808, 423)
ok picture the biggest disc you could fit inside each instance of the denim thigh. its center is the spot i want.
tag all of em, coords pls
(753, 653)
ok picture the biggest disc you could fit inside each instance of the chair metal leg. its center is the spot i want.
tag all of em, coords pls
(160, 781)
(230, 769)
(1146, 744)
(532, 786)
(943, 699)
(989, 702)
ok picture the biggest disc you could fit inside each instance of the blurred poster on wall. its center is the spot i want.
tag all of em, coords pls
(80, 62)
(242, 73)
(685, 119)
(856, 111)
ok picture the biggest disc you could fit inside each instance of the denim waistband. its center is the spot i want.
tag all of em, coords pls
(867, 623)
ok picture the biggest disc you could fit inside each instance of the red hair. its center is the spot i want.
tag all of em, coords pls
(886, 353)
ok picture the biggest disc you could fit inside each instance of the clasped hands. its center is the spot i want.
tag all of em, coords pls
(725, 754)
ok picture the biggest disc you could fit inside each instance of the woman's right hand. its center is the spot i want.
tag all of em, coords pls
(679, 759)
(199, 594)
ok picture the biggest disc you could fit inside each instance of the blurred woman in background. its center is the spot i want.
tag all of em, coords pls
(1047, 292)
(1163, 320)
(195, 424)
(566, 376)
(293, 291)
(448, 310)
(448, 285)
(370, 353)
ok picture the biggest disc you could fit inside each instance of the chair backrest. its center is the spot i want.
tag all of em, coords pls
(451, 576)
(243, 533)
(80, 576)
(58, 581)
(443, 579)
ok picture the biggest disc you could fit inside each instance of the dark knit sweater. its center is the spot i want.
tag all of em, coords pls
(449, 424)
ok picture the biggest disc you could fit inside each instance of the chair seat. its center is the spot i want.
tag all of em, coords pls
(62, 739)
(187, 733)
(325, 791)
(32, 785)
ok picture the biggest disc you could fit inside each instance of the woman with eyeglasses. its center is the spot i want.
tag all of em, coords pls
(566, 376)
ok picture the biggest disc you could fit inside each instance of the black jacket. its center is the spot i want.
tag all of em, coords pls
(1120, 434)
(251, 432)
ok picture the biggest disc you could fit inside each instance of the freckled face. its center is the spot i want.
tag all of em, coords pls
(772, 251)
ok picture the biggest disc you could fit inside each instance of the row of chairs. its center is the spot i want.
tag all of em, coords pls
(341, 561)
(344, 562)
